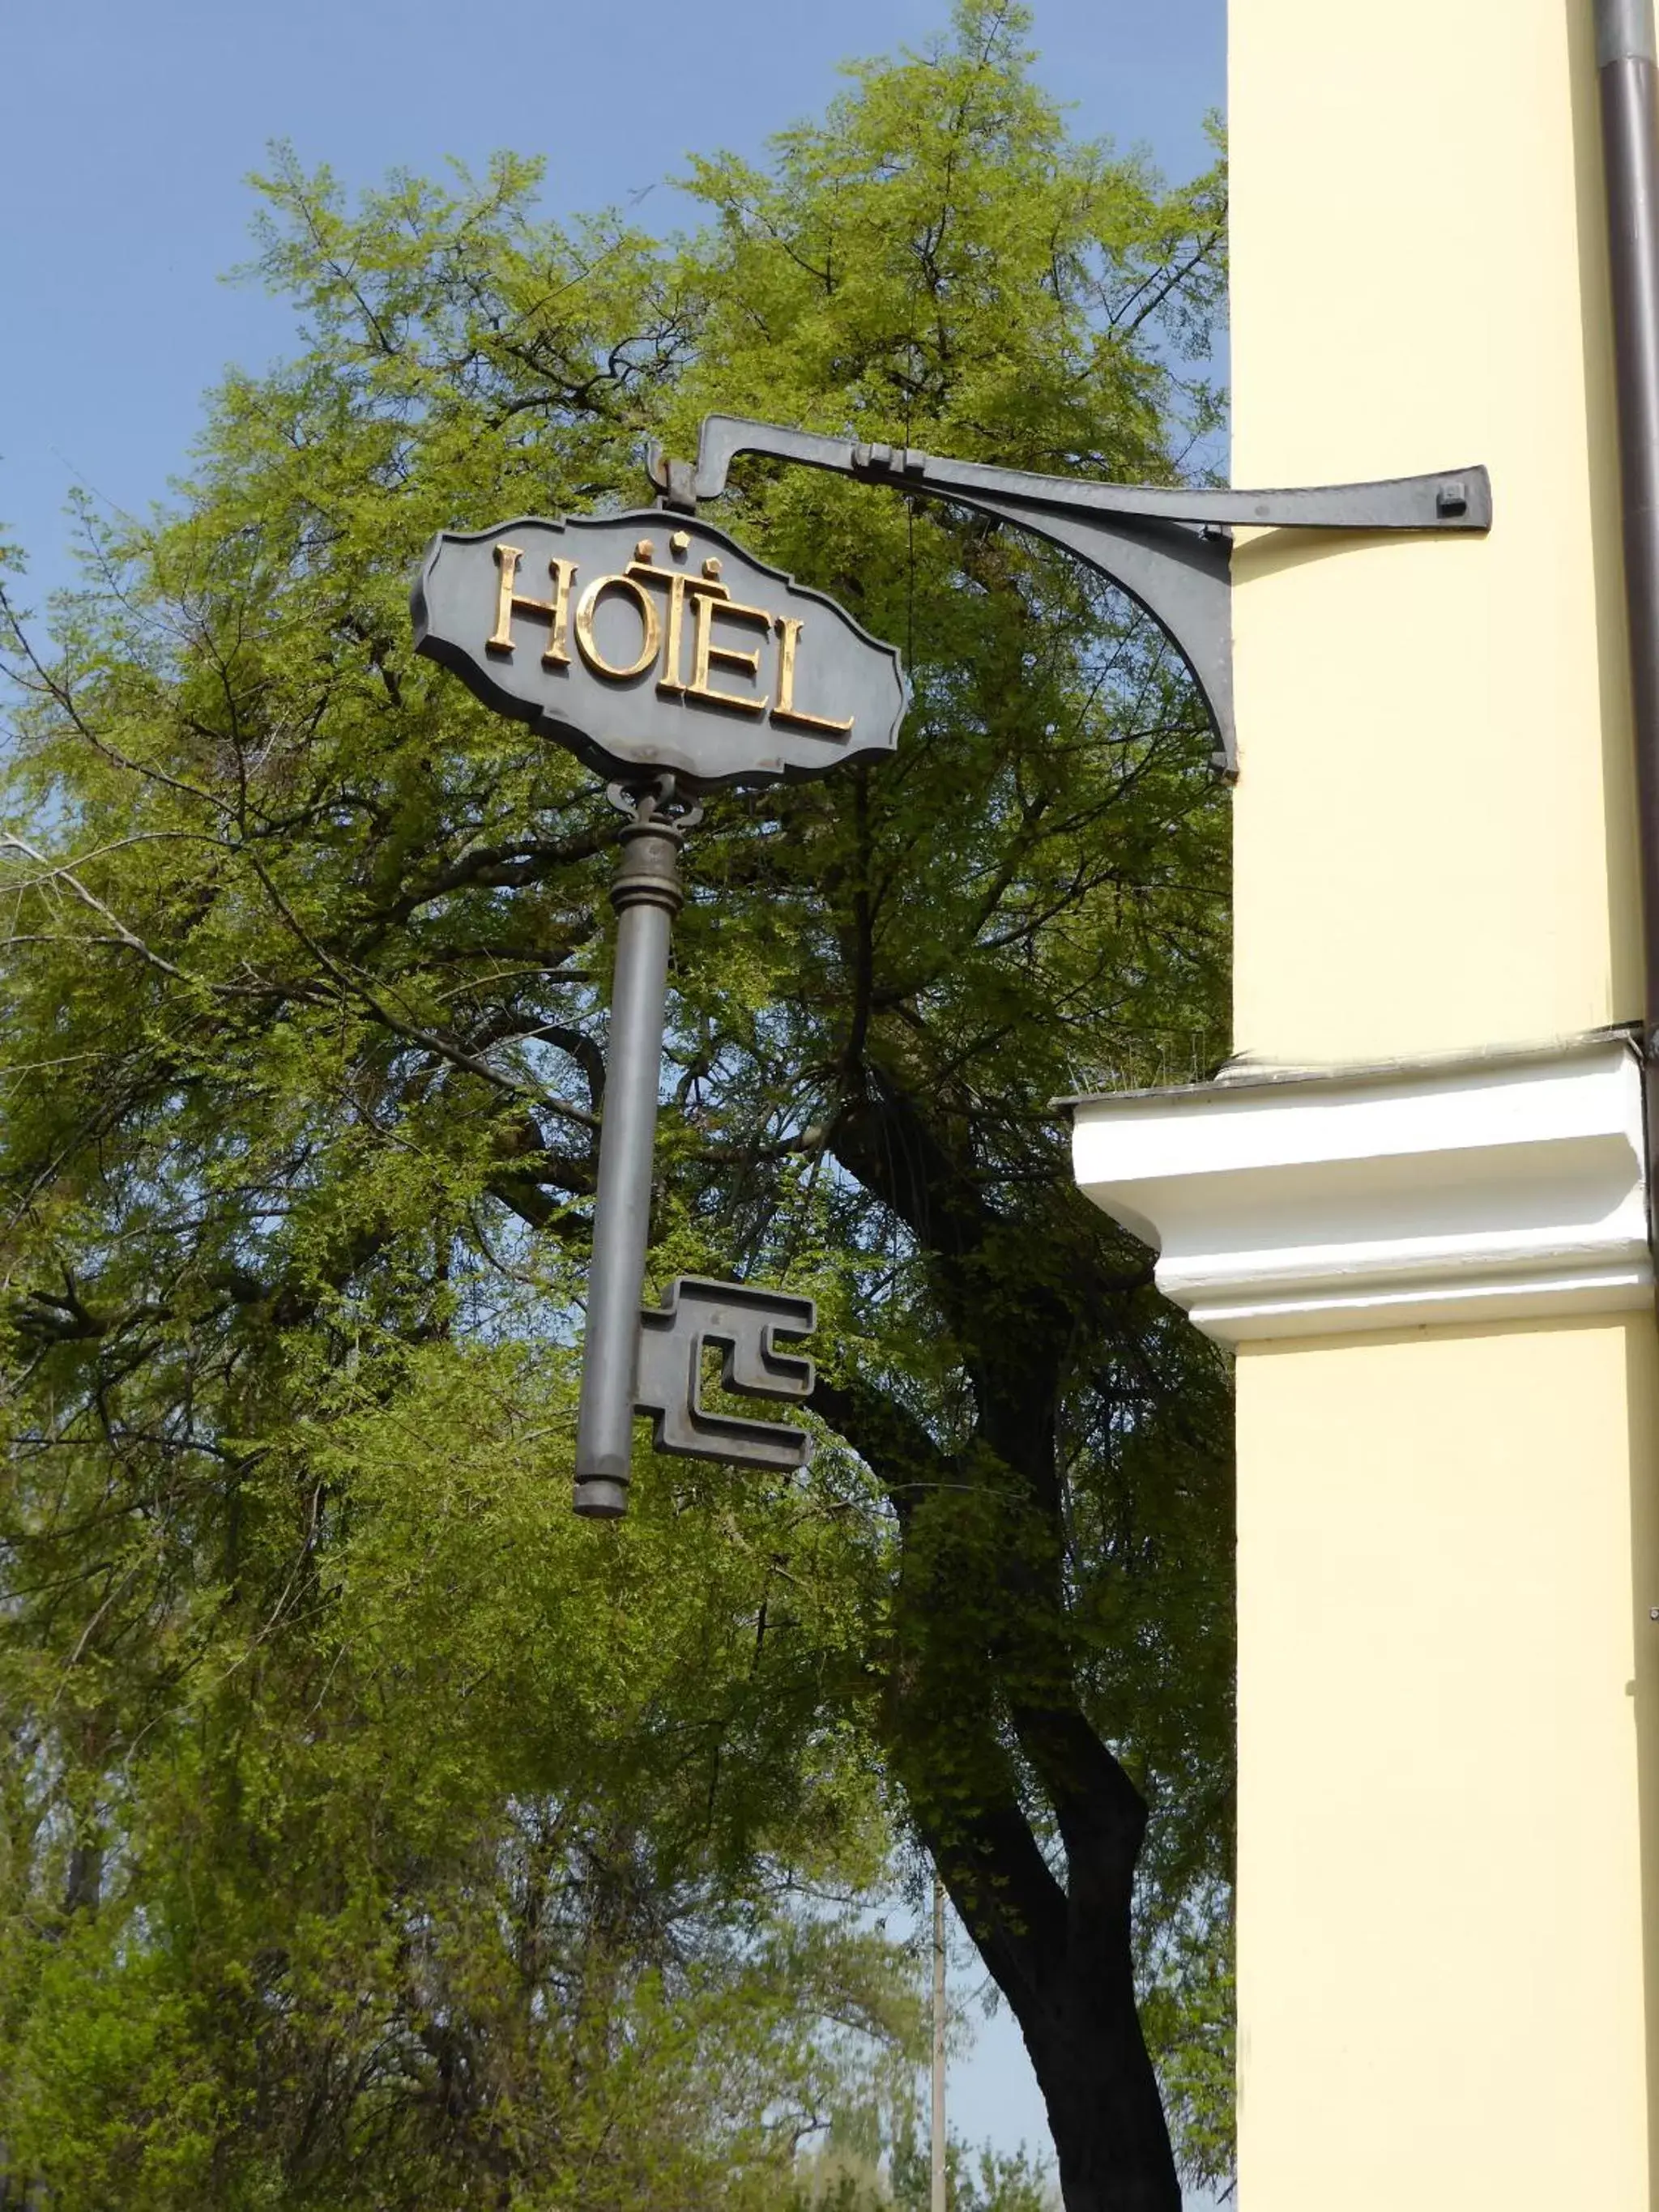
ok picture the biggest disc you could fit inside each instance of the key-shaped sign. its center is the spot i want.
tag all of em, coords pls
(668, 658)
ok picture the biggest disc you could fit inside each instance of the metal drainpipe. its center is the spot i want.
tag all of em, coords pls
(1626, 60)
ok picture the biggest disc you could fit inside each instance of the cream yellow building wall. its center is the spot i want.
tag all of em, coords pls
(1434, 840)
(1449, 1682)
(1447, 1676)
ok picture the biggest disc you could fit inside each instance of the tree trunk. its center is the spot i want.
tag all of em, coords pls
(982, 1694)
(1062, 1958)
(1060, 1953)
(1083, 2032)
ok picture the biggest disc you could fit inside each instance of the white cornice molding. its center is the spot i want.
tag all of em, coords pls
(1320, 1204)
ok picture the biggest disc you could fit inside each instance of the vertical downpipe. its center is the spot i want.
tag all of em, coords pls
(1625, 61)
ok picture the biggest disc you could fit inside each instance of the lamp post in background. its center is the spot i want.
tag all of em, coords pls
(936, 2137)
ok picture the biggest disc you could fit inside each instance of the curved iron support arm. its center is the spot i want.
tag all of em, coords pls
(1170, 549)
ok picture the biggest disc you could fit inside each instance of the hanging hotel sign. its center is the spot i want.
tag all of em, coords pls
(676, 665)
(650, 644)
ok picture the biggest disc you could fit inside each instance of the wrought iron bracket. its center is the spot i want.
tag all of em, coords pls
(1169, 550)
(744, 1322)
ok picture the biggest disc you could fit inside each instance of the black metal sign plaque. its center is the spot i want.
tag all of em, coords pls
(650, 644)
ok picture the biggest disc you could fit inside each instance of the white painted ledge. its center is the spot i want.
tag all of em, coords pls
(1306, 1204)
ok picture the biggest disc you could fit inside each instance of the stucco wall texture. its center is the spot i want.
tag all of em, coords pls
(1447, 1545)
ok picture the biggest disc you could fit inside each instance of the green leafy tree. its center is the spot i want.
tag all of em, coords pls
(373, 1833)
(389, 1845)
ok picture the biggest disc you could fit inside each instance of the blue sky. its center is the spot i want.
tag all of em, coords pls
(126, 133)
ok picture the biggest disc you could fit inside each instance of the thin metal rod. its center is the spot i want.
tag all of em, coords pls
(647, 896)
(936, 2197)
(1454, 499)
(1629, 147)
